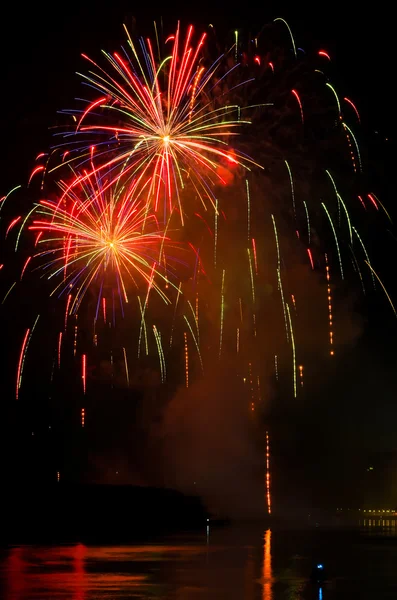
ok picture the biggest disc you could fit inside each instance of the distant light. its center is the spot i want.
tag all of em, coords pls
(320, 566)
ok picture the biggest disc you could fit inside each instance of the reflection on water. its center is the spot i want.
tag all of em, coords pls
(232, 563)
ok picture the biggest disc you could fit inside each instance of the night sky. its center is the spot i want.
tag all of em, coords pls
(349, 416)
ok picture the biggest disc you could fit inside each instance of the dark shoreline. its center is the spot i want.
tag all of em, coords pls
(71, 513)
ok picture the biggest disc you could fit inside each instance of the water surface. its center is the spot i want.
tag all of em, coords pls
(231, 563)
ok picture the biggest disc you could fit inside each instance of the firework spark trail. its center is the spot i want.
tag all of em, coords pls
(222, 312)
(336, 239)
(84, 372)
(195, 342)
(160, 353)
(59, 349)
(383, 288)
(293, 349)
(22, 356)
(251, 276)
(126, 367)
(329, 297)
(186, 360)
(279, 281)
(308, 221)
(248, 210)
(292, 187)
(268, 497)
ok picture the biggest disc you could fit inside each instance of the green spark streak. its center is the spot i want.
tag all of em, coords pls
(222, 312)
(366, 254)
(292, 187)
(347, 217)
(356, 144)
(293, 349)
(336, 239)
(160, 353)
(290, 32)
(308, 221)
(357, 268)
(195, 319)
(336, 96)
(17, 187)
(383, 287)
(248, 210)
(279, 282)
(252, 276)
(142, 328)
(126, 367)
(336, 192)
(22, 226)
(8, 293)
(196, 342)
(176, 305)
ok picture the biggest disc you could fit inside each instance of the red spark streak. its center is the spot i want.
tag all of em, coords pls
(25, 339)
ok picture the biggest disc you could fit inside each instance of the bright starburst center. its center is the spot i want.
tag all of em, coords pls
(166, 139)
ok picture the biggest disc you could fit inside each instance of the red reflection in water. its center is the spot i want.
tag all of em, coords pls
(79, 572)
(15, 566)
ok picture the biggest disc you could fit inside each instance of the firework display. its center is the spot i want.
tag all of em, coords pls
(201, 208)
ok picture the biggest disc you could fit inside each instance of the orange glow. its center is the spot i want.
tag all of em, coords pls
(267, 566)
(82, 417)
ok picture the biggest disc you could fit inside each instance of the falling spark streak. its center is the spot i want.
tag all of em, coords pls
(336, 239)
(329, 297)
(301, 374)
(83, 417)
(174, 315)
(336, 96)
(268, 497)
(252, 276)
(366, 254)
(290, 32)
(142, 328)
(377, 199)
(216, 215)
(279, 281)
(67, 311)
(59, 349)
(248, 210)
(19, 370)
(195, 342)
(356, 144)
(237, 340)
(22, 356)
(292, 187)
(295, 93)
(293, 349)
(222, 312)
(126, 367)
(276, 366)
(310, 257)
(84, 372)
(255, 257)
(186, 361)
(308, 221)
(160, 353)
(354, 108)
(383, 287)
(9, 291)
